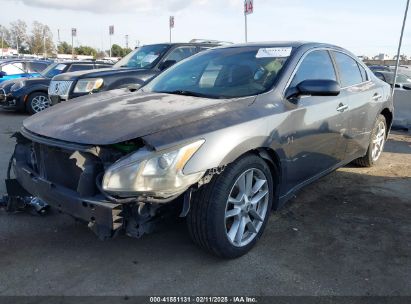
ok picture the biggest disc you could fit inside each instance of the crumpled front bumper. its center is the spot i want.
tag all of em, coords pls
(10, 102)
(104, 217)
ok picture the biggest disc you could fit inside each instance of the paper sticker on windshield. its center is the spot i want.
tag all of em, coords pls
(60, 67)
(277, 52)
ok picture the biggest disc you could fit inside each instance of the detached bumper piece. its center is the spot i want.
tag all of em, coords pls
(66, 181)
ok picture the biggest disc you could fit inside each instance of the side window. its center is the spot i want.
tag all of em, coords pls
(103, 66)
(13, 68)
(363, 73)
(316, 65)
(80, 67)
(34, 67)
(380, 76)
(181, 53)
(348, 68)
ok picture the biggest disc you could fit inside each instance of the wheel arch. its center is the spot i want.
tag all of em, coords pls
(388, 117)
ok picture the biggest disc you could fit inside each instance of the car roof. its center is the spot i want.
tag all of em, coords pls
(25, 60)
(293, 44)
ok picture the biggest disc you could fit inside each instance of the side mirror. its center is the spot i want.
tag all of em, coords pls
(133, 87)
(321, 87)
(2, 74)
(166, 64)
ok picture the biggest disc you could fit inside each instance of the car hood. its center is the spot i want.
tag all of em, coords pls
(36, 80)
(116, 116)
(97, 73)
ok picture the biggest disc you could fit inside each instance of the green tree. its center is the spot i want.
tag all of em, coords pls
(116, 50)
(41, 39)
(126, 51)
(64, 48)
(86, 50)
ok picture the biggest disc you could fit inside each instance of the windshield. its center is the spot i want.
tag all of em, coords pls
(53, 70)
(223, 73)
(144, 57)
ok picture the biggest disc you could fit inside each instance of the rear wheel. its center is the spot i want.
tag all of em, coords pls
(37, 102)
(376, 146)
(229, 214)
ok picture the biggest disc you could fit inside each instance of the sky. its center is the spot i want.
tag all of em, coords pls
(366, 27)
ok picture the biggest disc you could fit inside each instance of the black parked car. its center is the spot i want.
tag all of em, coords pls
(31, 94)
(135, 69)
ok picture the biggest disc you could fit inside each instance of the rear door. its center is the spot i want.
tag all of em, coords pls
(363, 103)
(313, 133)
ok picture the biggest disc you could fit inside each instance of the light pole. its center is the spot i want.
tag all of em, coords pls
(171, 25)
(73, 34)
(44, 43)
(248, 9)
(399, 47)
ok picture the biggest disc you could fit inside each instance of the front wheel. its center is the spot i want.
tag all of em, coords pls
(229, 214)
(376, 146)
(37, 102)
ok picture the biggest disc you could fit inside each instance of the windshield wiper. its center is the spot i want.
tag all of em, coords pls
(189, 93)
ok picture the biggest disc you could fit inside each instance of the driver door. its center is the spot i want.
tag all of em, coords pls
(314, 131)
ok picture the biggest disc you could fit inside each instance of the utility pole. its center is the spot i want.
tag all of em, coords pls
(73, 34)
(399, 47)
(44, 43)
(171, 25)
(111, 33)
(248, 9)
(126, 41)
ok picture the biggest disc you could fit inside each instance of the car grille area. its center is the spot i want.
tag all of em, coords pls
(71, 169)
(60, 88)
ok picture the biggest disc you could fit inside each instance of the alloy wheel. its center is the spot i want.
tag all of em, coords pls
(246, 207)
(40, 103)
(378, 141)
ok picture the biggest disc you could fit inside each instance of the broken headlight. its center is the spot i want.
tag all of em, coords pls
(88, 85)
(18, 85)
(159, 174)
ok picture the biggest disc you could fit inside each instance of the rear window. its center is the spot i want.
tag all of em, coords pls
(35, 67)
(80, 67)
(349, 71)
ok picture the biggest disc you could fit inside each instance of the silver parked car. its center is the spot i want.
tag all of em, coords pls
(223, 137)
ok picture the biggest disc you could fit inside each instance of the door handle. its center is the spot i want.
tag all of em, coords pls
(342, 107)
(376, 97)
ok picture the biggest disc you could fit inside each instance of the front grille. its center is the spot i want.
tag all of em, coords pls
(71, 169)
(60, 88)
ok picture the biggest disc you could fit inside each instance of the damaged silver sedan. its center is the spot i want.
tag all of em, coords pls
(221, 138)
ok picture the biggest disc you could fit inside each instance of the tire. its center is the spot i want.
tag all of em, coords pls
(378, 138)
(37, 102)
(207, 223)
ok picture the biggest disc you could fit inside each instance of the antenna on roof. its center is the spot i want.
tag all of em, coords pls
(399, 47)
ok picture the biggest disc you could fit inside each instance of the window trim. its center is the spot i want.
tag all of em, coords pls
(329, 49)
(358, 63)
(337, 76)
